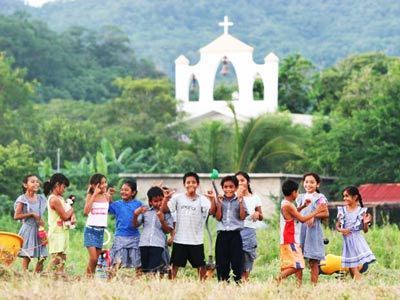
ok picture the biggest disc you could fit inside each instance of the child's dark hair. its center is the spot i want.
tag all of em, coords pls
(95, 179)
(191, 174)
(353, 191)
(245, 175)
(132, 184)
(231, 179)
(316, 177)
(25, 181)
(153, 192)
(59, 178)
(289, 186)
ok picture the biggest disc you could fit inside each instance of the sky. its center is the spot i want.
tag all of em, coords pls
(37, 3)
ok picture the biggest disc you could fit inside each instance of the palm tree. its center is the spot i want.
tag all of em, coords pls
(266, 143)
(209, 148)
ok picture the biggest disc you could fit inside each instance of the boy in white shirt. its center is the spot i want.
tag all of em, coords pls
(191, 211)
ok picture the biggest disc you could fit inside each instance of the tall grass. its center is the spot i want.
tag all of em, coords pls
(380, 282)
(383, 241)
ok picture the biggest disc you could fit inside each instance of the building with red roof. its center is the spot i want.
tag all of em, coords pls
(380, 193)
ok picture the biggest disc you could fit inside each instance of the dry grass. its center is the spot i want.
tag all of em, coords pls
(14, 285)
(380, 282)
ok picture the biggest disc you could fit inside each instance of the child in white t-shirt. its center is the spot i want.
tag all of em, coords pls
(191, 211)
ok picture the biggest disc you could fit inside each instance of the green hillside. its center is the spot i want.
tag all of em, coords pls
(322, 31)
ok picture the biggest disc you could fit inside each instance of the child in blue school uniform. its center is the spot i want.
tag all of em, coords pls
(230, 214)
(30, 208)
(156, 225)
(311, 236)
(352, 219)
(125, 249)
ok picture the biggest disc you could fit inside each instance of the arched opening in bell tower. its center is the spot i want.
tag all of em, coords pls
(258, 88)
(194, 89)
(226, 86)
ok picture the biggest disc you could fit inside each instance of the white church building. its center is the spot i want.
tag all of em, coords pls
(228, 48)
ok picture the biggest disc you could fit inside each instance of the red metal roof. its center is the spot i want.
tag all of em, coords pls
(382, 192)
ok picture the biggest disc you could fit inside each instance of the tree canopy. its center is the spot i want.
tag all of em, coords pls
(77, 64)
(321, 31)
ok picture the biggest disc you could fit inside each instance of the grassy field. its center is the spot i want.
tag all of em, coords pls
(31, 287)
(380, 282)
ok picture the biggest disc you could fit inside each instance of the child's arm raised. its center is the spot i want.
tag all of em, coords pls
(164, 225)
(136, 214)
(110, 193)
(211, 196)
(90, 199)
(218, 213)
(167, 196)
(367, 218)
(242, 209)
(258, 215)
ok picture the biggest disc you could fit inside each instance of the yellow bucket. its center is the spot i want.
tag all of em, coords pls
(10, 244)
(332, 264)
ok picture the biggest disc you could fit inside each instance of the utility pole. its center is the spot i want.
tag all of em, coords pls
(58, 159)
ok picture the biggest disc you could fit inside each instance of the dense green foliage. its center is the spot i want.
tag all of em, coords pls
(87, 94)
(78, 64)
(322, 31)
(133, 124)
(358, 140)
(296, 78)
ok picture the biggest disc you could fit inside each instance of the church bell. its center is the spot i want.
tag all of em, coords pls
(225, 67)
(193, 84)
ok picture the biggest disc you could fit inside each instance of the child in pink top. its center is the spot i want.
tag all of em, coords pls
(96, 208)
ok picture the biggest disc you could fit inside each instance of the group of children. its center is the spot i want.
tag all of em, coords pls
(301, 234)
(237, 211)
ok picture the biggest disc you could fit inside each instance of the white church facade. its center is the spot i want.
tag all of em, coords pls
(240, 56)
(228, 48)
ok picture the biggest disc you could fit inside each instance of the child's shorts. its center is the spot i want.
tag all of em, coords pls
(125, 251)
(93, 236)
(152, 259)
(291, 256)
(181, 253)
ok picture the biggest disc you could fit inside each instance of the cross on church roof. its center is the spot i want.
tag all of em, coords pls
(225, 24)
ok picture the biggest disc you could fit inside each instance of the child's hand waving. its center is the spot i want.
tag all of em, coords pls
(111, 190)
(140, 210)
(210, 195)
(220, 198)
(97, 190)
(256, 216)
(240, 192)
(367, 218)
(168, 193)
(160, 215)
